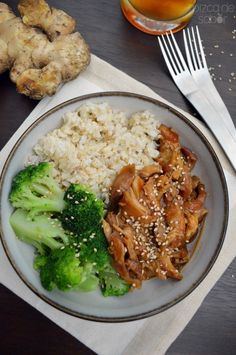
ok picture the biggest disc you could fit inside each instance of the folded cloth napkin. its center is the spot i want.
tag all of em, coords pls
(144, 337)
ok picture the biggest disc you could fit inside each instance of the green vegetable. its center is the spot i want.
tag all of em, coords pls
(35, 190)
(61, 268)
(82, 216)
(83, 211)
(93, 249)
(111, 283)
(82, 266)
(77, 262)
(40, 230)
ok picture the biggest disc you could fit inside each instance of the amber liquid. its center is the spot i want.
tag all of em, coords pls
(158, 17)
(163, 10)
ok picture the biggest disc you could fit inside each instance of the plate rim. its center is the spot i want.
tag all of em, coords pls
(212, 261)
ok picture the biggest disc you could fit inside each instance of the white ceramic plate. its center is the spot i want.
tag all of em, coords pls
(155, 295)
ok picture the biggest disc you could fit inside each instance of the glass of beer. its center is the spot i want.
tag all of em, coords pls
(158, 16)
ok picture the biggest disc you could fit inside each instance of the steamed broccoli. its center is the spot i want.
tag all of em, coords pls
(93, 249)
(82, 215)
(83, 211)
(40, 230)
(35, 190)
(83, 265)
(76, 258)
(61, 268)
(111, 283)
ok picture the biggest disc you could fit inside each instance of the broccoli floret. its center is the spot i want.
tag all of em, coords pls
(111, 283)
(40, 230)
(82, 216)
(94, 249)
(83, 211)
(35, 190)
(80, 262)
(61, 268)
(81, 266)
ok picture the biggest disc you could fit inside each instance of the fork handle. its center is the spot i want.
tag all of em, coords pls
(220, 131)
(215, 99)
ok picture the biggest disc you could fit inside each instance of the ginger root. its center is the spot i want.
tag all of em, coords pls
(39, 59)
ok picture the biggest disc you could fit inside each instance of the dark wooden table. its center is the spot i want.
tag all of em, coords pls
(213, 329)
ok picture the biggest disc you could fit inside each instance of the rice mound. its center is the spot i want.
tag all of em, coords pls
(95, 142)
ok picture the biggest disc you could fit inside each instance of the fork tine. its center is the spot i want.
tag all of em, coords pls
(199, 63)
(179, 52)
(169, 62)
(190, 64)
(174, 54)
(201, 48)
(193, 60)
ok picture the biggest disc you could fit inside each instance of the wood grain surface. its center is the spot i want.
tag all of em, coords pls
(212, 330)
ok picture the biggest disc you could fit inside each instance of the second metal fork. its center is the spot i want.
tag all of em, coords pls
(199, 70)
(185, 82)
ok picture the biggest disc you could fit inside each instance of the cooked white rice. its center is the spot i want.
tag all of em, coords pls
(95, 142)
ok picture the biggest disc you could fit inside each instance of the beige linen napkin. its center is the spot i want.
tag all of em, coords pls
(145, 337)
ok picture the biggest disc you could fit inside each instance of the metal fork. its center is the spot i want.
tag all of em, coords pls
(186, 84)
(198, 68)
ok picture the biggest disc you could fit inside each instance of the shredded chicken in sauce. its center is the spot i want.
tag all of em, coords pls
(154, 213)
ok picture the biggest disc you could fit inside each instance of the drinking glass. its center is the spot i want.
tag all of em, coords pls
(158, 16)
